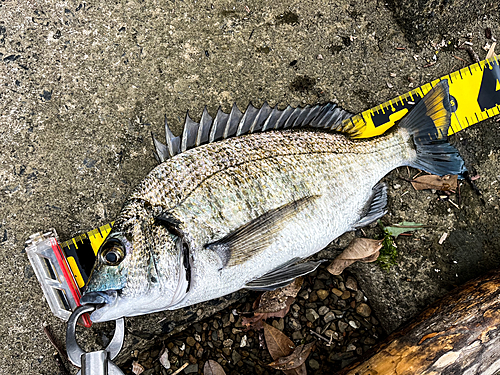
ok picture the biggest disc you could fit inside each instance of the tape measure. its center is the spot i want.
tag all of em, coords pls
(63, 269)
(474, 97)
(81, 252)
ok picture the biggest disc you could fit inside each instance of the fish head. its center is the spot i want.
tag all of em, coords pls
(139, 269)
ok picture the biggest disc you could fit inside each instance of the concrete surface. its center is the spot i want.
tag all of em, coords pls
(84, 83)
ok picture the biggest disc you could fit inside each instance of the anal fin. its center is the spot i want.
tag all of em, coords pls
(375, 207)
(282, 275)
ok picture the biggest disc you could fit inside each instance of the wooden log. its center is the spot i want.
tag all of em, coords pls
(458, 334)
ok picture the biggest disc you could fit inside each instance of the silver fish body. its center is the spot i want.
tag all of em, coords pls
(242, 212)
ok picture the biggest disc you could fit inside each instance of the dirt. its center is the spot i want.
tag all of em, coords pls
(84, 84)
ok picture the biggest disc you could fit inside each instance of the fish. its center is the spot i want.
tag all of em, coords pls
(243, 199)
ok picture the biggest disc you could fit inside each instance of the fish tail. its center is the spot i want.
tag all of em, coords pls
(427, 125)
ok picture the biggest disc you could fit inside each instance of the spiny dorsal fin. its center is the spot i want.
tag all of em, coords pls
(326, 116)
(189, 134)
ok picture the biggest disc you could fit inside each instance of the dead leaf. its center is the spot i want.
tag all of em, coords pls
(276, 300)
(278, 344)
(360, 249)
(294, 360)
(430, 181)
(273, 304)
(213, 368)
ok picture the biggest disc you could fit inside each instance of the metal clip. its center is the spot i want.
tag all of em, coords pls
(98, 362)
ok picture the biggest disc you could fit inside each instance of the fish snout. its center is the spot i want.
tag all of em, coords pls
(98, 298)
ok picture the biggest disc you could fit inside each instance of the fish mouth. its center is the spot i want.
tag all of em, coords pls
(104, 302)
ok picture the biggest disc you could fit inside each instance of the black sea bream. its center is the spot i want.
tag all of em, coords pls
(239, 201)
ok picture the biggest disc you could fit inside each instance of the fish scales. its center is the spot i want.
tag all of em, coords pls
(171, 182)
(271, 182)
(245, 211)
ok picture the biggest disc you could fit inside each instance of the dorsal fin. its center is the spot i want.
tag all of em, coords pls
(189, 134)
(326, 116)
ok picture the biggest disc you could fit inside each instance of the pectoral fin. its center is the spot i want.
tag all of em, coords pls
(282, 275)
(255, 236)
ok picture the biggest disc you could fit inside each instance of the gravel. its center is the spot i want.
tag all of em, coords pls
(330, 310)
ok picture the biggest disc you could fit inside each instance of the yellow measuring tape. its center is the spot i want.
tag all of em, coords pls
(81, 252)
(474, 97)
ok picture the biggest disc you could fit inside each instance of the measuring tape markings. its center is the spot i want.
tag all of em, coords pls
(81, 252)
(474, 97)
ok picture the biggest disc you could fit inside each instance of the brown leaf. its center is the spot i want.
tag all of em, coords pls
(213, 368)
(273, 304)
(301, 370)
(430, 181)
(276, 300)
(360, 249)
(255, 321)
(294, 360)
(278, 344)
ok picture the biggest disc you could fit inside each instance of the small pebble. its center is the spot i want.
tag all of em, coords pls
(318, 284)
(323, 310)
(164, 359)
(329, 317)
(343, 326)
(191, 369)
(311, 315)
(342, 286)
(279, 324)
(243, 342)
(354, 324)
(322, 294)
(337, 292)
(351, 283)
(364, 310)
(350, 348)
(297, 335)
(329, 333)
(294, 324)
(313, 364)
(313, 297)
(227, 343)
(304, 294)
(346, 295)
(190, 341)
(235, 356)
(359, 296)
(137, 368)
(319, 57)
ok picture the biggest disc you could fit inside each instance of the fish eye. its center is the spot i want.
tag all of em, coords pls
(112, 253)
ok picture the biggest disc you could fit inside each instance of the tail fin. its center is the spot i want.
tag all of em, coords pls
(428, 123)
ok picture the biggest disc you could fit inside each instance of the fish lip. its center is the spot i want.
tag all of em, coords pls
(105, 303)
(99, 298)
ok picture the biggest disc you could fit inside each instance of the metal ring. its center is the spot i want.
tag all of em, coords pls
(75, 352)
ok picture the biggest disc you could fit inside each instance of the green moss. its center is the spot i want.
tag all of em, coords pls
(389, 251)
